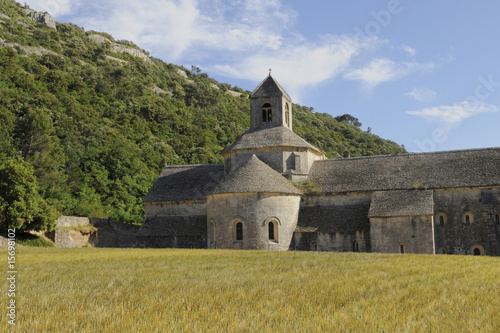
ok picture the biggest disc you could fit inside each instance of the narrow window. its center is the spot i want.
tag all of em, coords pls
(287, 115)
(477, 252)
(271, 230)
(269, 115)
(314, 246)
(401, 248)
(497, 219)
(467, 219)
(441, 220)
(355, 246)
(239, 231)
(264, 115)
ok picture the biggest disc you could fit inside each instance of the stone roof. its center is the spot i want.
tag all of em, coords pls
(252, 176)
(174, 226)
(448, 169)
(334, 218)
(401, 203)
(269, 87)
(186, 182)
(261, 137)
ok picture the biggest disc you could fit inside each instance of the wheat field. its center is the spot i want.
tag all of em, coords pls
(173, 290)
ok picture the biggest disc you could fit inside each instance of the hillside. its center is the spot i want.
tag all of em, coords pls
(99, 118)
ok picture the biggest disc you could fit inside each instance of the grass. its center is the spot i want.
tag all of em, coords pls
(167, 290)
(27, 239)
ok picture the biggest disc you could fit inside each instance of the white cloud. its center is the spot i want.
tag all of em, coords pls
(422, 95)
(451, 115)
(385, 70)
(299, 66)
(54, 7)
(411, 51)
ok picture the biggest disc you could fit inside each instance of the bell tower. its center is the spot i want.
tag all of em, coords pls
(270, 105)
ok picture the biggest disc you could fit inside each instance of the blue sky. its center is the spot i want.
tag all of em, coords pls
(425, 74)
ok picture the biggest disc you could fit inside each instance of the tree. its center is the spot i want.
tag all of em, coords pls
(350, 119)
(21, 207)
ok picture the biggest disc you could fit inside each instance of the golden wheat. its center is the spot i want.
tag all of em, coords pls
(167, 290)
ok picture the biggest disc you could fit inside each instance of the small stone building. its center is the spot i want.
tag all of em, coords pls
(441, 202)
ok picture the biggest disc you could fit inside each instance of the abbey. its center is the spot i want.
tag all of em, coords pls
(441, 202)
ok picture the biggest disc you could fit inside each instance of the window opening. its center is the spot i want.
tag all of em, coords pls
(239, 231)
(271, 230)
(441, 220)
(401, 248)
(267, 112)
(477, 252)
(355, 246)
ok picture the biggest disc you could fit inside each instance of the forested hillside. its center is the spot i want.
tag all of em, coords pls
(98, 119)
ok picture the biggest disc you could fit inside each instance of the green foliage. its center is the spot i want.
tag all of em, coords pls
(27, 239)
(21, 207)
(98, 136)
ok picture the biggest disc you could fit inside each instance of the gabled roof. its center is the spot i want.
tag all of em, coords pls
(448, 169)
(269, 87)
(185, 182)
(252, 176)
(174, 226)
(401, 203)
(261, 137)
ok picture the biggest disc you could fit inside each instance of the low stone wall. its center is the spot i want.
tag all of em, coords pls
(114, 234)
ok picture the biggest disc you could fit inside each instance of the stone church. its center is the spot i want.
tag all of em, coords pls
(440, 202)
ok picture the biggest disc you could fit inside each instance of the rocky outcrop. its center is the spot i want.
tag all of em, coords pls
(40, 17)
(4, 17)
(120, 48)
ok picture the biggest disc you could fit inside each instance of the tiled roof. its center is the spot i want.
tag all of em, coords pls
(401, 203)
(261, 137)
(449, 169)
(253, 175)
(186, 182)
(269, 87)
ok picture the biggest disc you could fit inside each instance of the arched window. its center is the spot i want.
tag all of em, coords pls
(271, 230)
(267, 112)
(477, 250)
(314, 246)
(401, 248)
(239, 231)
(355, 246)
(468, 218)
(441, 218)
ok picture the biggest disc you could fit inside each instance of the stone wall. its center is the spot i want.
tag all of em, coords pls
(354, 241)
(255, 211)
(177, 208)
(460, 236)
(114, 234)
(415, 233)
(72, 221)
